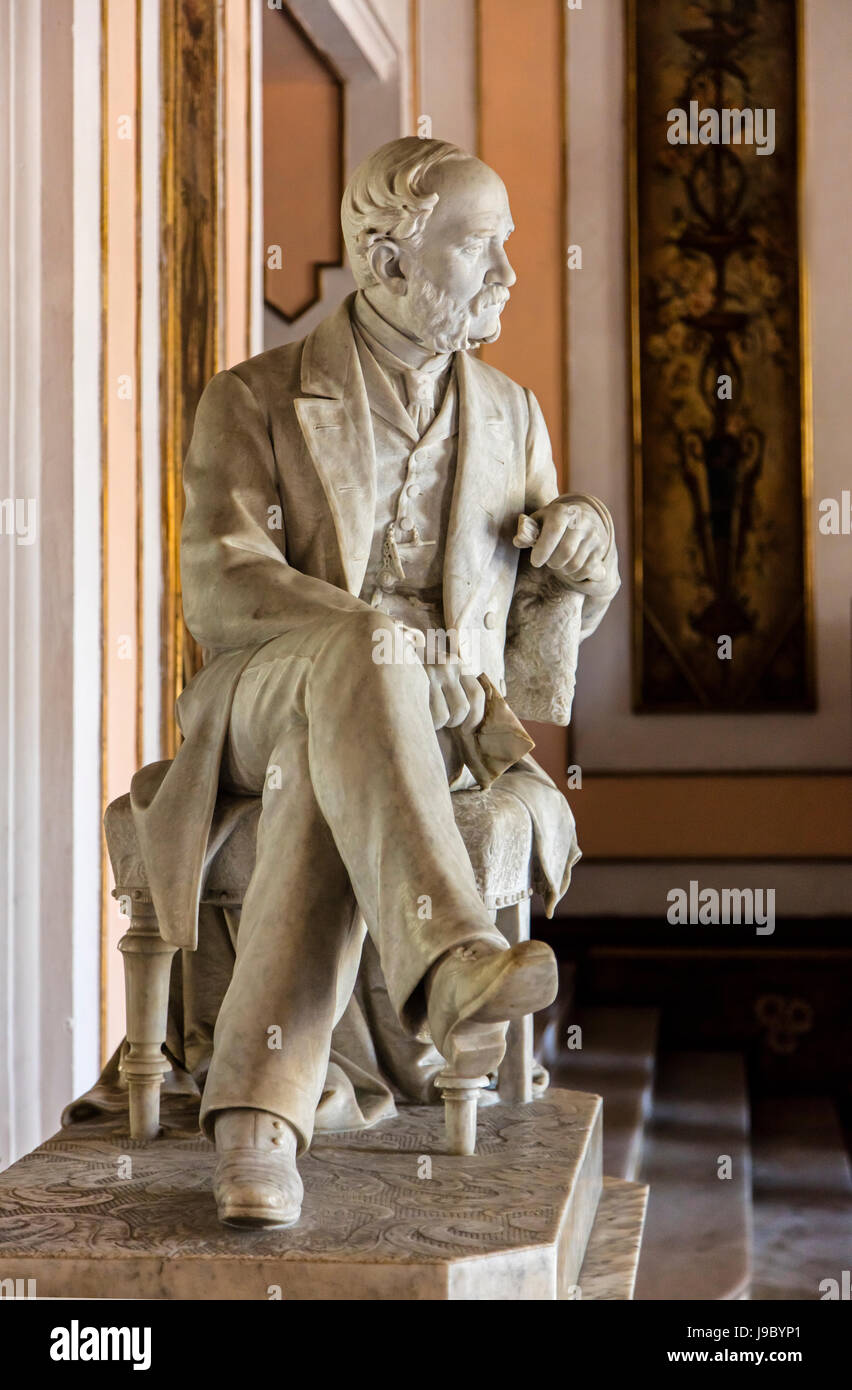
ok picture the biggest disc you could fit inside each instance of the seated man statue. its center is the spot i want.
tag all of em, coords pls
(357, 503)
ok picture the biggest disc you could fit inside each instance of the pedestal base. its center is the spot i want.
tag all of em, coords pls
(387, 1214)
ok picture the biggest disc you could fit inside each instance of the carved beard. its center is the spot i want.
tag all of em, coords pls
(443, 323)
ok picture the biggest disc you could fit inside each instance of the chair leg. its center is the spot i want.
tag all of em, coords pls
(460, 1095)
(515, 1080)
(147, 966)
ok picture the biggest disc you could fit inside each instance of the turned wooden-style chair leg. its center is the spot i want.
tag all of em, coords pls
(147, 966)
(460, 1095)
(460, 1091)
(515, 1078)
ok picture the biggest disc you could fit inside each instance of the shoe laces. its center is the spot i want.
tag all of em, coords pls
(472, 950)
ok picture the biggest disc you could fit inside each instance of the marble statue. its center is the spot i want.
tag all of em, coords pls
(384, 580)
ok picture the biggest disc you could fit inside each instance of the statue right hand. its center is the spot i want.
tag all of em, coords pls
(456, 699)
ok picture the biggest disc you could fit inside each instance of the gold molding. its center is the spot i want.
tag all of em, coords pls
(191, 179)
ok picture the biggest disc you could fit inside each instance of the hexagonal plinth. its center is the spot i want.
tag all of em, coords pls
(387, 1214)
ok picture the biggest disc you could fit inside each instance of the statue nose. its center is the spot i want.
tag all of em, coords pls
(502, 273)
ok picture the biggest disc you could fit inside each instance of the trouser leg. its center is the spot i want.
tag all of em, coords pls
(356, 809)
(381, 785)
(298, 945)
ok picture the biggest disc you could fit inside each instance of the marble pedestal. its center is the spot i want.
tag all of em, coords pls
(387, 1214)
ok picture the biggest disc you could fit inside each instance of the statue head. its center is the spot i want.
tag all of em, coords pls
(425, 225)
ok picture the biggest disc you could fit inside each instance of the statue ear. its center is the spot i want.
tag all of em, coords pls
(383, 260)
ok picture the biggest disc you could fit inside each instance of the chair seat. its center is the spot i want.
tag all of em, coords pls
(494, 825)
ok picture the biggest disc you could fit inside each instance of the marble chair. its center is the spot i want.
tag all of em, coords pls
(497, 833)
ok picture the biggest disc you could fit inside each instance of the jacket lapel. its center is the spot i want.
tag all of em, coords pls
(334, 417)
(482, 471)
(381, 397)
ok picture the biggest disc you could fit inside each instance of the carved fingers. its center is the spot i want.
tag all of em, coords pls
(572, 540)
(456, 700)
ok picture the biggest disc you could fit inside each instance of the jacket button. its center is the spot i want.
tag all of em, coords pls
(490, 620)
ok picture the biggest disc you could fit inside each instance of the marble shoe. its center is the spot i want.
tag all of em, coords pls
(475, 990)
(256, 1183)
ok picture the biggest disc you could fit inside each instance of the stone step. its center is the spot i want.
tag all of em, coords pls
(698, 1231)
(617, 1062)
(612, 1254)
(802, 1195)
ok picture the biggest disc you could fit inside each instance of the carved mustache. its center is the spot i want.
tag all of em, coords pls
(492, 294)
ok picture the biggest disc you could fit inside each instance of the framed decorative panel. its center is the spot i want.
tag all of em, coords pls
(722, 595)
(302, 165)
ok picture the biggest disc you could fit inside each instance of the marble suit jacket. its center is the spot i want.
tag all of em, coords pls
(288, 435)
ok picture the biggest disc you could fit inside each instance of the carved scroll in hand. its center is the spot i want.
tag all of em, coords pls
(498, 742)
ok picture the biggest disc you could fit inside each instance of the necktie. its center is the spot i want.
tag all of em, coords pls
(421, 400)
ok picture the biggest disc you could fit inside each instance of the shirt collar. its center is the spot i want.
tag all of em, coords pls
(384, 340)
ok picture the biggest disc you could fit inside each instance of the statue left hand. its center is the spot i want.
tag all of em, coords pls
(572, 540)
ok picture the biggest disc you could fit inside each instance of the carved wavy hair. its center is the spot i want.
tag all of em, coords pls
(386, 198)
